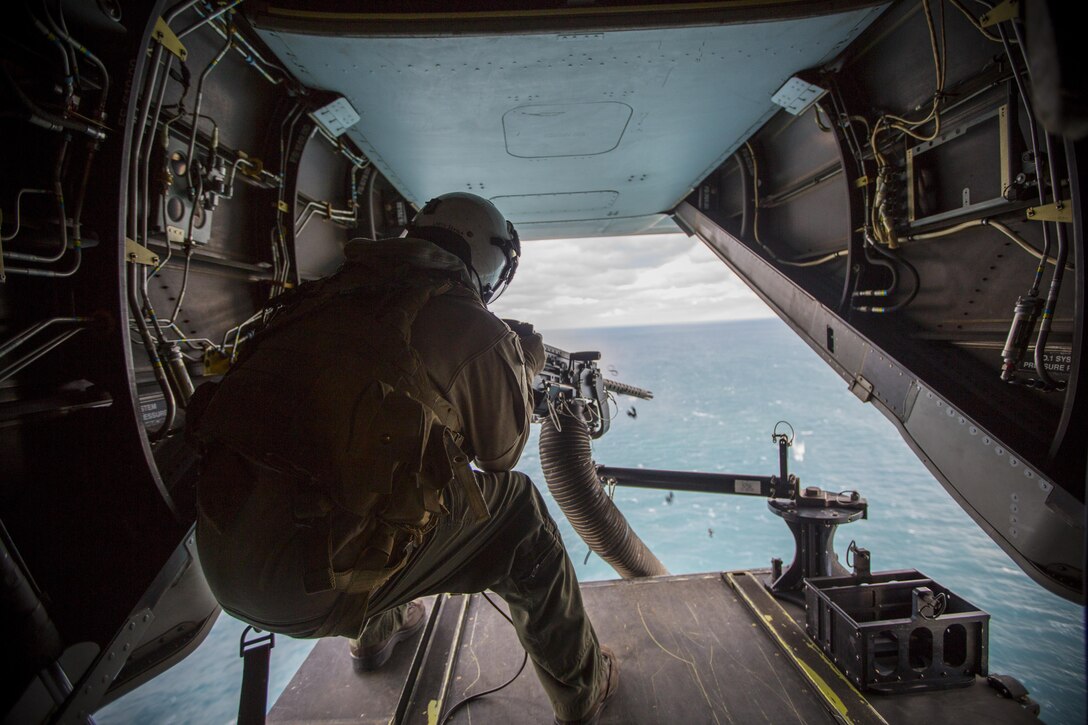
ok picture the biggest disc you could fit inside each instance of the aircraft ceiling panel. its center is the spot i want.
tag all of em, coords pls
(567, 133)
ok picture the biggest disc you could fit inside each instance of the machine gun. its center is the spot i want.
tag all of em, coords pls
(573, 377)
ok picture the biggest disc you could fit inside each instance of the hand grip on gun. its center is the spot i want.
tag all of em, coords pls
(532, 344)
(574, 376)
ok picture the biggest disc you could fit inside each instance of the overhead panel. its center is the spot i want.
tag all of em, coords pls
(570, 134)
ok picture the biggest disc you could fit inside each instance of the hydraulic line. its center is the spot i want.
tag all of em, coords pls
(18, 214)
(64, 26)
(34, 329)
(204, 20)
(566, 459)
(1028, 307)
(370, 203)
(1036, 156)
(69, 80)
(144, 181)
(47, 120)
(137, 146)
(247, 51)
(58, 192)
(38, 353)
(1055, 280)
(1063, 249)
(200, 96)
(86, 54)
(143, 127)
(745, 196)
(890, 263)
(152, 356)
(77, 260)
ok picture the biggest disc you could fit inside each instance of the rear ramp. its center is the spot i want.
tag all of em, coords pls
(690, 651)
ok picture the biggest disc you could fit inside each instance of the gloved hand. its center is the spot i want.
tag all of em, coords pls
(532, 344)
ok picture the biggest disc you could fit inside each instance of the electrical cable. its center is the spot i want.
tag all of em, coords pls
(974, 21)
(879, 218)
(816, 111)
(524, 660)
(755, 225)
(984, 222)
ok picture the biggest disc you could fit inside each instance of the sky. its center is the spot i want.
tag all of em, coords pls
(624, 281)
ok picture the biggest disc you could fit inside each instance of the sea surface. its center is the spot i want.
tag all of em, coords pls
(719, 389)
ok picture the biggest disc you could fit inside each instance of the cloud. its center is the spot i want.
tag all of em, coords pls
(623, 281)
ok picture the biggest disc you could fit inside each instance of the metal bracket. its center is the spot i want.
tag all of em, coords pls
(282, 206)
(164, 36)
(862, 388)
(1008, 10)
(1059, 211)
(138, 254)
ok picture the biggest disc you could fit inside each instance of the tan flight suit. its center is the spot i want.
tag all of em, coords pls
(255, 558)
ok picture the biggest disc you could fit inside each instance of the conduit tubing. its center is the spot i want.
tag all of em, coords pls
(566, 458)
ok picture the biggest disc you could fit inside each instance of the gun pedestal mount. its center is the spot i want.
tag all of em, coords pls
(812, 516)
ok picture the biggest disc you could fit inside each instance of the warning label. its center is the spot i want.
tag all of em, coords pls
(153, 412)
(1056, 363)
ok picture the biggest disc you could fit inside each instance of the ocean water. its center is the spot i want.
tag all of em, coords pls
(719, 389)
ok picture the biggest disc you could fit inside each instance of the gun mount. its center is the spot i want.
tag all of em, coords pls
(811, 513)
(572, 382)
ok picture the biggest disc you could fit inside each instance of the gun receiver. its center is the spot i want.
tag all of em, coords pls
(573, 377)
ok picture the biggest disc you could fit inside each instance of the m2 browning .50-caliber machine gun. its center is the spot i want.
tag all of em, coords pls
(573, 379)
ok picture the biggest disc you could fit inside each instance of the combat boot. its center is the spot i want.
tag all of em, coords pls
(366, 658)
(611, 683)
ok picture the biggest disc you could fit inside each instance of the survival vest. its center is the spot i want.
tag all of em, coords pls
(332, 394)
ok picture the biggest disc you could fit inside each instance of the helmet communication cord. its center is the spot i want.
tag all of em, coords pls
(470, 698)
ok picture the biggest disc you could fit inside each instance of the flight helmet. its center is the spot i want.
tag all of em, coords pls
(472, 228)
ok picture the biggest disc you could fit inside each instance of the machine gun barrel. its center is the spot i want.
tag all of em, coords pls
(616, 386)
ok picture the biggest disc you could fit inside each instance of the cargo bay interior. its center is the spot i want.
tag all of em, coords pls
(172, 167)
